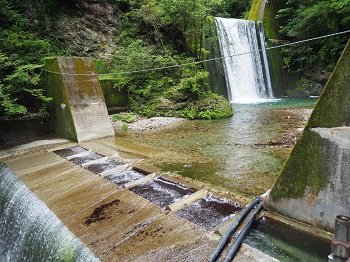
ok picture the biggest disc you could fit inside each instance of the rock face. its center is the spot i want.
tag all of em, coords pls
(94, 25)
(215, 68)
(78, 111)
(314, 185)
(85, 28)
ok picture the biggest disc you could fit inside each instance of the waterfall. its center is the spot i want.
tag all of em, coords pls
(29, 231)
(247, 76)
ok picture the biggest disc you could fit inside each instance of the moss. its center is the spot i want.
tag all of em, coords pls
(86, 82)
(333, 107)
(114, 97)
(270, 25)
(277, 72)
(61, 121)
(305, 167)
(254, 10)
(106, 77)
(216, 80)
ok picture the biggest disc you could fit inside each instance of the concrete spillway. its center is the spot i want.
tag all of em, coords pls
(112, 221)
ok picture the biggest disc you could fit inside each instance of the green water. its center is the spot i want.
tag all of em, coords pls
(287, 245)
(233, 154)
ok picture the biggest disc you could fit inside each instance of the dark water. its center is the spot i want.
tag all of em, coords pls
(209, 212)
(70, 151)
(104, 166)
(234, 154)
(287, 245)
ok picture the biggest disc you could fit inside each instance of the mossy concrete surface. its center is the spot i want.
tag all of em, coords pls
(217, 81)
(78, 111)
(314, 185)
(266, 11)
(256, 12)
(115, 97)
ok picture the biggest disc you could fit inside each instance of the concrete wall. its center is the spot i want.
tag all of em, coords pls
(266, 11)
(17, 131)
(314, 185)
(114, 97)
(78, 111)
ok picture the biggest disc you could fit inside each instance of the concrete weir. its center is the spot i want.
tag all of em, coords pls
(78, 111)
(114, 222)
(314, 186)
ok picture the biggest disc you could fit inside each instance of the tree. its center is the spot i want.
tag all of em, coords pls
(20, 63)
(311, 18)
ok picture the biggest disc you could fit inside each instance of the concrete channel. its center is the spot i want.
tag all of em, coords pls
(122, 213)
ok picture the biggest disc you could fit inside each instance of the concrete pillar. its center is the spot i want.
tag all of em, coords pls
(78, 111)
(314, 185)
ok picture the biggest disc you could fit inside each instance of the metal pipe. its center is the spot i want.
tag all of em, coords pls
(232, 228)
(233, 250)
(341, 240)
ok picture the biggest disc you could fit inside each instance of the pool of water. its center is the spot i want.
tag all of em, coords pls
(244, 153)
(285, 244)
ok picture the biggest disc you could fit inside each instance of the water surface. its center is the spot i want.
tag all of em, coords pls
(243, 154)
(286, 244)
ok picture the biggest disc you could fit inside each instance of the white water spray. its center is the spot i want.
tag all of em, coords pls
(247, 76)
(29, 231)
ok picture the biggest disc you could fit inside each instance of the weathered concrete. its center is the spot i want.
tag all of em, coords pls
(78, 111)
(333, 199)
(188, 200)
(19, 131)
(314, 185)
(114, 97)
(115, 223)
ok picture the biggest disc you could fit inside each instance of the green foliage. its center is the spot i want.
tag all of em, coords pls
(193, 84)
(20, 64)
(153, 92)
(125, 117)
(209, 106)
(125, 127)
(151, 34)
(306, 19)
(174, 91)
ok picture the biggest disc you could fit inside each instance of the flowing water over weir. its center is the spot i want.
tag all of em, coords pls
(29, 231)
(208, 212)
(162, 192)
(118, 210)
(247, 76)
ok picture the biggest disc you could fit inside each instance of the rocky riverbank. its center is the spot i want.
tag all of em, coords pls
(139, 123)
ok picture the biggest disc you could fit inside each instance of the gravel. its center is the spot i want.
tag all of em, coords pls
(146, 124)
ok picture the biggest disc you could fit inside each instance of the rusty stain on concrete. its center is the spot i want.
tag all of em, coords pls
(115, 223)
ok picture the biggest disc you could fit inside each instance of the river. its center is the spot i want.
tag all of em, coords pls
(243, 154)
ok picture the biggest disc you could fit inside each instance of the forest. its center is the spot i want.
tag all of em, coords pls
(151, 34)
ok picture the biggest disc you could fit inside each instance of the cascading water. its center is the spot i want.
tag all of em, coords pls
(246, 70)
(29, 231)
